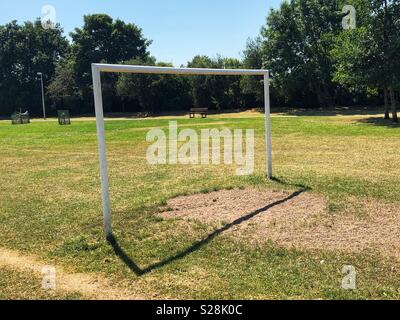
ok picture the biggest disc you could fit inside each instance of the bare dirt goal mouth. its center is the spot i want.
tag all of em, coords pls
(298, 219)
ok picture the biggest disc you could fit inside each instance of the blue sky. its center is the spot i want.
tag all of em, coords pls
(179, 29)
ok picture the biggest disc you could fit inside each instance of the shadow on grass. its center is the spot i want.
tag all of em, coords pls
(177, 113)
(288, 184)
(380, 122)
(335, 111)
(119, 251)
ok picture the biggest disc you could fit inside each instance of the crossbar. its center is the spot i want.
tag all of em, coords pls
(97, 68)
(181, 71)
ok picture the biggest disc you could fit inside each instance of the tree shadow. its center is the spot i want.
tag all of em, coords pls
(119, 251)
(334, 111)
(380, 122)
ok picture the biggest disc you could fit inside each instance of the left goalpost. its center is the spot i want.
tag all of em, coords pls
(98, 68)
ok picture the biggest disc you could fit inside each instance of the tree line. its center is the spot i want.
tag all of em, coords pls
(315, 62)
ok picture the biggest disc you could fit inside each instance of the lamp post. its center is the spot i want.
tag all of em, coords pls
(44, 105)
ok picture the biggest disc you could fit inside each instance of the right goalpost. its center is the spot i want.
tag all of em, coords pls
(97, 69)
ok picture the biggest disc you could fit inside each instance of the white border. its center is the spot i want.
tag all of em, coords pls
(98, 102)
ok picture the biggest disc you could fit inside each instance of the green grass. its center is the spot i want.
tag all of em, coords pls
(16, 285)
(50, 206)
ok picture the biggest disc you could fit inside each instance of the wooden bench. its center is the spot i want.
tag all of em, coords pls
(202, 111)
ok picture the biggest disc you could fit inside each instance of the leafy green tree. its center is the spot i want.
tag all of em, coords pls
(216, 91)
(367, 57)
(357, 54)
(252, 86)
(153, 93)
(201, 85)
(101, 39)
(390, 10)
(226, 90)
(63, 89)
(26, 50)
(297, 44)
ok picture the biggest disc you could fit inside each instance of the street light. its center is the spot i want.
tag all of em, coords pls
(44, 106)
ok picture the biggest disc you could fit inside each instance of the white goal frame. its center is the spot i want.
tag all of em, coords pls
(98, 68)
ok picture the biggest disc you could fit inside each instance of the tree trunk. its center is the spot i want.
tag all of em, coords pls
(394, 105)
(386, 98)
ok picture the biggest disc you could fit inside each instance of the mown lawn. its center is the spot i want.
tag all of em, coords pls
(50, 206)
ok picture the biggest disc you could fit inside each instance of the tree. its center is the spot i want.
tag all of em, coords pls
(101, 39)
(26, 50)
(391, 55)
(367, 57)
(216, 91)
(297, 44)
(355, 54)
(252, 86)
(63, 89)
(154, 93)
(201, 86)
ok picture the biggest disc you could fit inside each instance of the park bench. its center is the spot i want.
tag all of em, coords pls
(202, 111)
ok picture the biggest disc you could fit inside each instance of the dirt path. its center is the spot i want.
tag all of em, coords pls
(90, 286)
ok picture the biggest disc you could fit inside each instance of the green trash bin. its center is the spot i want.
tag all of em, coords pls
(20, 118)
(64, 117)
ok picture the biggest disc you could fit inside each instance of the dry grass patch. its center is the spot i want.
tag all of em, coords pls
(302, 221)
(349, 157)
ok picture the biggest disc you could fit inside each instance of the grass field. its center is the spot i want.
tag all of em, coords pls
(50, 207)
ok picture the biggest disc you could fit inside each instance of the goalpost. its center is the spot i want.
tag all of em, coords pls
(98, 68)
